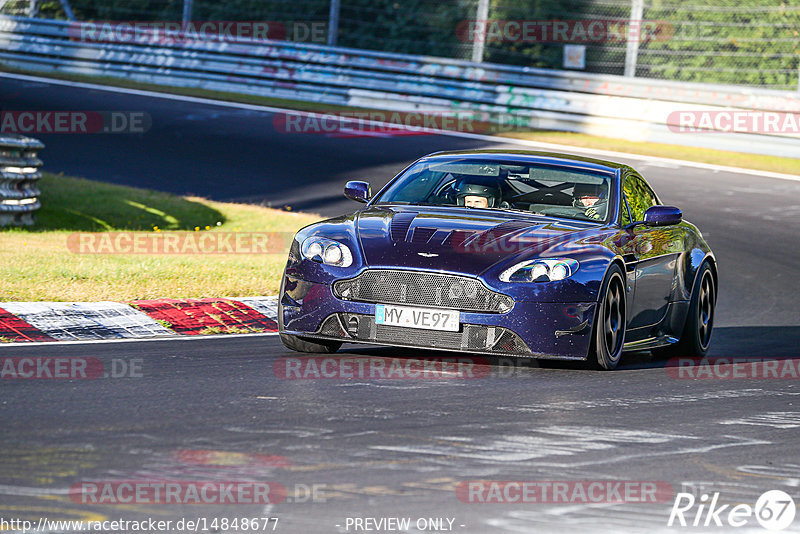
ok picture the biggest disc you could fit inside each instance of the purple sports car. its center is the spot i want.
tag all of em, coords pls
(512, 253)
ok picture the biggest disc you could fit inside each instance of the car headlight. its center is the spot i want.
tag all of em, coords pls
(327, 251)
(540, 270)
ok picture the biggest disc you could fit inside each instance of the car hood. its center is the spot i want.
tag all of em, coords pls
(459, 240)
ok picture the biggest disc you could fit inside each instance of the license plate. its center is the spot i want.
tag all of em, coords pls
(409, 317)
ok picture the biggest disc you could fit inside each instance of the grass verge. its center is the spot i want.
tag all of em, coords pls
(37, 265)
(688, 153)
(702, 155)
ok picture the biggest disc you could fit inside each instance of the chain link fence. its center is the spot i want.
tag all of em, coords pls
(738, 42)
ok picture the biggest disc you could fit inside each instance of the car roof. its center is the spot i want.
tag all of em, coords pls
(533, 156)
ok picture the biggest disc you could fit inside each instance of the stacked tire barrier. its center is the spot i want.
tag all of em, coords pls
(611, 106)
(19, 174)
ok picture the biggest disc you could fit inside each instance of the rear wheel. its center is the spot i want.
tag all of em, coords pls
(610, 321)
(304, 345)
(696, 335)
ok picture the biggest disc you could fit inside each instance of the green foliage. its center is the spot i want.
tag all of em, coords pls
(548, 54)
(259, 10)
(127, 10)
(745, 42)
(749, 42)
(409, 26)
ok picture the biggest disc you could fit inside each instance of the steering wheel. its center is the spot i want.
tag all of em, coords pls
(446, 192)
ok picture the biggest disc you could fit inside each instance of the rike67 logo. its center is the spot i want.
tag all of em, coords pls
(774, 510)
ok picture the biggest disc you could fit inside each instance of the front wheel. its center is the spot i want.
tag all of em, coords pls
(300, 344)
(610, 321)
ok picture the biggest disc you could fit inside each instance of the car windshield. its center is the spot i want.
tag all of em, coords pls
(528, 187)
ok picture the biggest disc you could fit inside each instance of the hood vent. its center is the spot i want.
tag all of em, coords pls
(400, 230)
(459, 238)
(401, 222)
(504, 229)
(496, 234)
(422, 235)
(456, 238)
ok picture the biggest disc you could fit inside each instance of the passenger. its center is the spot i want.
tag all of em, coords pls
(592, 199)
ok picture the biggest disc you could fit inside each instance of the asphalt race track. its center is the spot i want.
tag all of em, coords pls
(217, 410)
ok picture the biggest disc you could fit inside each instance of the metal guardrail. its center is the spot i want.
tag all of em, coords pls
(19, 172)
(612, 106)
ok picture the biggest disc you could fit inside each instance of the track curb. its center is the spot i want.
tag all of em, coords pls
(22, 322)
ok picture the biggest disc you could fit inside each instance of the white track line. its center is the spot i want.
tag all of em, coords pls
(489, 138)
(131, 340)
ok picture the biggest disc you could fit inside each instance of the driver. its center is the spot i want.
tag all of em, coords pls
(590, 198)
(477, 195)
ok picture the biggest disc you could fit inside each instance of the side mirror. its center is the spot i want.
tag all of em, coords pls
(358, 191)
(662, 216)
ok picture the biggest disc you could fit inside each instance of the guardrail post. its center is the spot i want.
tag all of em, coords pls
(479, 41)
(67, 10)
(19, 172)
(33, 8)
(333, 22)
(187, 13)
(632, 51)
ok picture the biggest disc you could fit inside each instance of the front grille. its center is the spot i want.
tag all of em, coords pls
(417, 336)
(423, 289)
(472, 337)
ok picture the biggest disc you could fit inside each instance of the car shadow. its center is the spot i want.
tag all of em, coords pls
(768, 342)
(737, 342)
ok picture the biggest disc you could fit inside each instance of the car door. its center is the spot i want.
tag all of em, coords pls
(653, 255)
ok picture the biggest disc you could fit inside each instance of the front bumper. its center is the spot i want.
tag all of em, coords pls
(530, 329)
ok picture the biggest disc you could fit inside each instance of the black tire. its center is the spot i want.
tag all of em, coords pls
(608, 332)
(696, 336)
(300, 344)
